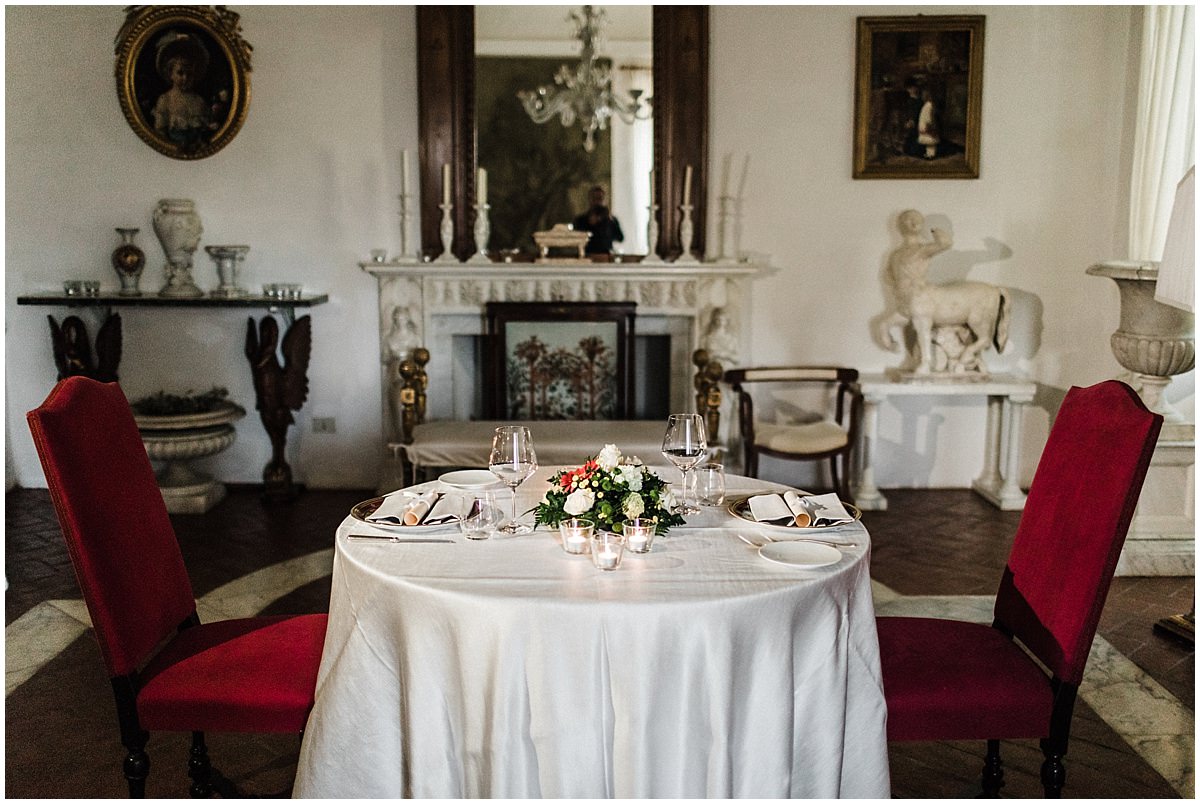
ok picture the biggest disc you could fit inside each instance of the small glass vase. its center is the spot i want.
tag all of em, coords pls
(128, 261)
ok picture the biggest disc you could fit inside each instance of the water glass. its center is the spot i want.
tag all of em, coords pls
(710, 484)
(576, 535)
(607, 548)
(639, 535)
(480, 517)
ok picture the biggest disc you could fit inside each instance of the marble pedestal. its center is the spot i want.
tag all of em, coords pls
(1162, 536)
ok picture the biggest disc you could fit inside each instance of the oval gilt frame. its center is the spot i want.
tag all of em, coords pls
(183, 77)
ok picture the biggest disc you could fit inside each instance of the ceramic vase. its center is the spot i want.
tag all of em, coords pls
(128, 261)
(178, 228)
(227, 258)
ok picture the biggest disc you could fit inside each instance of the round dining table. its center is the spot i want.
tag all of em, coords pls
(508, 668)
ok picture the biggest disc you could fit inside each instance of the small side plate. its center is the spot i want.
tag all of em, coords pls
(470, 479)
(800, 554)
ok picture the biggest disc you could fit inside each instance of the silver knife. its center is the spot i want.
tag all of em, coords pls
(400, 539)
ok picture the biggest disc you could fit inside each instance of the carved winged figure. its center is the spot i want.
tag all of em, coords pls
(279, 389)
(73, 350)
(982, 309)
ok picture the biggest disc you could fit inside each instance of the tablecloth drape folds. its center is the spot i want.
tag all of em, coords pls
(509, 669)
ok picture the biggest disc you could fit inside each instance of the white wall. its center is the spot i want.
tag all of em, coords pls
(310, 185)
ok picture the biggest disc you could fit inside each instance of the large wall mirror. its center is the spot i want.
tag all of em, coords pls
(465, 57)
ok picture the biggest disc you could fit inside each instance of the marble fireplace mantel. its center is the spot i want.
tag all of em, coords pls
(431, 304)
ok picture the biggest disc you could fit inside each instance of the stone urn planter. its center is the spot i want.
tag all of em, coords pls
(1154, 340)
(176, 439)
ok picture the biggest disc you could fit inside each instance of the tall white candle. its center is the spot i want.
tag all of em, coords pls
(481, 187)
(651, 188)
(742, 184)
(687, 186)
(446, 184)
(404, 171)
(726, 169)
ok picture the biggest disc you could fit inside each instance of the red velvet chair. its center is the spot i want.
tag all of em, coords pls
(168, 671)
(948, 680)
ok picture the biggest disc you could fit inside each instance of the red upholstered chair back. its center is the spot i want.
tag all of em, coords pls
(1074, 524)
(114, 520)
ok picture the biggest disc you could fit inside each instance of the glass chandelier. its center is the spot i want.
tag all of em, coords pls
(584, 92)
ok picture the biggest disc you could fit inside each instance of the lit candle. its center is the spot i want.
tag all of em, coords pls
(651, 188)
(639, 534)
(446, 185)
(607, 558)
(575, 534)
(481, 187)
(687, 186)
(404, 171)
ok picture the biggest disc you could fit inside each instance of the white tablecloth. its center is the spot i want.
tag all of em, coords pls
(509, 669)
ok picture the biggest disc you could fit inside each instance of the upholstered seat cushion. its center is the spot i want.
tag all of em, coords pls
(951, 680)
(250, 675)
(806, 439)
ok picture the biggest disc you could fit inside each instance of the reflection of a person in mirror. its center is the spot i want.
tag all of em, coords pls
(599, 221)
(181, 114)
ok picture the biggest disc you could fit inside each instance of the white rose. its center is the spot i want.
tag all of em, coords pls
(634, 506)
(631, 476)
(609, 457)
(579, 501)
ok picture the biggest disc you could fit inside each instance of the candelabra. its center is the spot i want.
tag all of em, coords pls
(652, 257)
(483, 232)
(685, 237)
(407, 252)
(447, 232)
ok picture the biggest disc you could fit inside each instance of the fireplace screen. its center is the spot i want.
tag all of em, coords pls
(559, 360)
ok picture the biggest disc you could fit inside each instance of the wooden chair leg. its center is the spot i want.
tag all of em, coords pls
(137, 766)
(1054, 772)
(993, 770)
(199, 768)
(1054, 747)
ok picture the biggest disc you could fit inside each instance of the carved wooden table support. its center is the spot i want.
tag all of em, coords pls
(73, 348)
(279, 389)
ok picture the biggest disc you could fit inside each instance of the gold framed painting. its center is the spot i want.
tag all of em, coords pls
(918, 93)
(183, 77)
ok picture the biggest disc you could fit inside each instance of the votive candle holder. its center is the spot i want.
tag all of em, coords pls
(576, 535)
(639, 535)
(607, 549)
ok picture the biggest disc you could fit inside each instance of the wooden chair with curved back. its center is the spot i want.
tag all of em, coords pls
(169, 672)
(833, 437)
(950, 680)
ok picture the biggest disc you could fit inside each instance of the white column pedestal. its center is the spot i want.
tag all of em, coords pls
(1162, 536)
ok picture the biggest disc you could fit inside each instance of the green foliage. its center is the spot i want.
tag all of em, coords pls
(161, 403)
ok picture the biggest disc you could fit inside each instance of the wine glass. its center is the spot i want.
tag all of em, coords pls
(685, 444)
(512, 460)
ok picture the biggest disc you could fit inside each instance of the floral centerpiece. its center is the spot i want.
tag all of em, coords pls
(608, 490)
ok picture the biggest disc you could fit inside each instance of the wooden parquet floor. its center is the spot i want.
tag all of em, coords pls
(60, 731)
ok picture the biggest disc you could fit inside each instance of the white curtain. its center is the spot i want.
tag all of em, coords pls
(1164, 140)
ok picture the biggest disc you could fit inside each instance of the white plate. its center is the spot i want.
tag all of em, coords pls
(470, 479)
(740, 508)
(367, 507)
(800, 554)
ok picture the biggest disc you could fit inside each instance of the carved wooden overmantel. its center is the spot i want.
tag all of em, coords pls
(430, 304)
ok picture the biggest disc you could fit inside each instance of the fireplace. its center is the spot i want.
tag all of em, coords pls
(442, 307)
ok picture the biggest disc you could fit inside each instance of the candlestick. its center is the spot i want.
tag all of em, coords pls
(446, 184)
(726, 214)
(406, 253)
(687, 185)
(481, 188)
(447, 232)
(685, 237)
(483, 232)
(652, 257)
(404, 171)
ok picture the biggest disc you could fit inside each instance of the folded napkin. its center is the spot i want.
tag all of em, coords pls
(449, 508)
(792, 510)
(404, 509)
